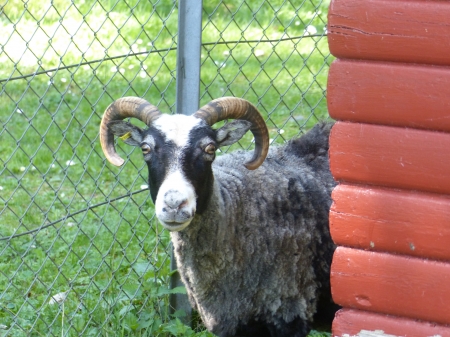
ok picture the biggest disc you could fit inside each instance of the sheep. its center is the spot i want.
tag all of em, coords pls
(251, 240)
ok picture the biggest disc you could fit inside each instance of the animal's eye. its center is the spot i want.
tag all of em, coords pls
(210, 149)
(145, 148)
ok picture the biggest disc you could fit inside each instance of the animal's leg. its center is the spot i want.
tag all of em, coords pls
(252, 329)
(295, 328)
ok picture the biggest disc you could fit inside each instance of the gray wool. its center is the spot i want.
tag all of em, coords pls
(262, 248)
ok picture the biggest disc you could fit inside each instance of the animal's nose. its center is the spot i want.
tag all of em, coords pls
(174, 200)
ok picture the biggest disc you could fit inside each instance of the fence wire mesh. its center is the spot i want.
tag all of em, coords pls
(80, 251)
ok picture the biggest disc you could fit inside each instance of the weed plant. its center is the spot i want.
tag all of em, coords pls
(99, 263)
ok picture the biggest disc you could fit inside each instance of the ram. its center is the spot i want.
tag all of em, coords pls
(250, 231)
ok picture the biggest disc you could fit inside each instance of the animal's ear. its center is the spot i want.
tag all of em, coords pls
(129, 133)
(231, 132)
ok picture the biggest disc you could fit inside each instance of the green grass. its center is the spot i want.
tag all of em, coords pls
(112, 261)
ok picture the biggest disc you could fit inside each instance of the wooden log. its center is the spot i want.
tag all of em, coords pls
(390, 156)
(404, 222)
(390, 94)
(391, 284)
(351, 322)
(390, 30)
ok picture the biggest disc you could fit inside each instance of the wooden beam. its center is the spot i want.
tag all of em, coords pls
(390, 94)
(390, 156)
(350, 322)
(391, 284)
(390, 30)
(398, 221)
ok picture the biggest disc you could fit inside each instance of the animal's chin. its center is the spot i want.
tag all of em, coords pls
(175, 226)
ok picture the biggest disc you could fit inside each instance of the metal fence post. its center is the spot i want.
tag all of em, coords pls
(188, 96)
(188, 56)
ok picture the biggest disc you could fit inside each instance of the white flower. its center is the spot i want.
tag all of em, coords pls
(71, 224)
(143, 74)
(143, 187)
(19, 111)
(1, 188)
(3, 327)
(58, 298)
(226, 52)
(22, 169)
(70, 163)
(113, 69)
(310, 30)
(259, 52)
(139, 41)
(64, 80)
(220, 64)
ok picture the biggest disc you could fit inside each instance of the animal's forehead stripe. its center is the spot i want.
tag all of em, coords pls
(176, 128)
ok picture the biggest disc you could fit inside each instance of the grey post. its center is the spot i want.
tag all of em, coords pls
(188, 96)
(188, 55)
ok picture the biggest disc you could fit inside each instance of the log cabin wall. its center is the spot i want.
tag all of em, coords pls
(389, 90)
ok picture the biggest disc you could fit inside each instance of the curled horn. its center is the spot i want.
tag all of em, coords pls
(120, 109)
(238, 108)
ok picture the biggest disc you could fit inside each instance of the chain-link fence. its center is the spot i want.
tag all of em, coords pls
(80, 251)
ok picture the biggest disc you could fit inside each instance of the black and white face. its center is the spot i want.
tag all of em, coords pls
(182, 150)
(179, 151)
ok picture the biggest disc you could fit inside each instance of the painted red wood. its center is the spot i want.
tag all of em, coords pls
(390, 30)
(390, 156)
(399, 221)
(391, 284)
(351, 322)
(390, 94)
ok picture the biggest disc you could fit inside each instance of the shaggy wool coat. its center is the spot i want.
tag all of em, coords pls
(261, 252)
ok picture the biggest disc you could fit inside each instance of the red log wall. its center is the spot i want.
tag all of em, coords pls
(389, 90)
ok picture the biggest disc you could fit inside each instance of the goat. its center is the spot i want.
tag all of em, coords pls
(251, 241)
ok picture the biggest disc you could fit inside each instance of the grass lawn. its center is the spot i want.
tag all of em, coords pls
(100, 264)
